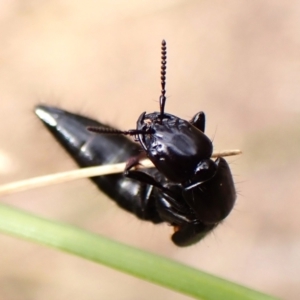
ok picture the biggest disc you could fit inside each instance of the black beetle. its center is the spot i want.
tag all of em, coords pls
(186, 189)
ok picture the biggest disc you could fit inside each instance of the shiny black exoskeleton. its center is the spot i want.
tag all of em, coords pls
(186, 189)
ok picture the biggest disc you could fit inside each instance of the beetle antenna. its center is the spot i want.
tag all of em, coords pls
(105, 130)
(162, 98)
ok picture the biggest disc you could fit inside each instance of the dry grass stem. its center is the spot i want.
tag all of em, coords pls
(40, 181)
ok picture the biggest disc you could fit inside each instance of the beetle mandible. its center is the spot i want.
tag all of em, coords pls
(186, 189)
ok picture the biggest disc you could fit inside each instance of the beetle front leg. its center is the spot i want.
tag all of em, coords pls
(142, 177)
(134, 161)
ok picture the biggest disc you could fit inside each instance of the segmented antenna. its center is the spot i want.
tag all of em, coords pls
(162, 98)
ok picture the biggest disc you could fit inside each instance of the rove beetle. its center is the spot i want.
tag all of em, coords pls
(186, 189)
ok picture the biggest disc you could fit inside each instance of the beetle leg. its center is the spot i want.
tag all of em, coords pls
(134, 161)
(142, 177)
(172, 211)
(198, 121)
(170, 203)
(191, 233)
(188, 228)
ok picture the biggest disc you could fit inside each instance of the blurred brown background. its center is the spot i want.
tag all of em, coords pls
(239, 61)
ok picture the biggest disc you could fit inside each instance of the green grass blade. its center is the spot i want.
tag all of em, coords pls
(141, 264)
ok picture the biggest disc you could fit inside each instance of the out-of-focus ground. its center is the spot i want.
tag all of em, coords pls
(239, 61)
